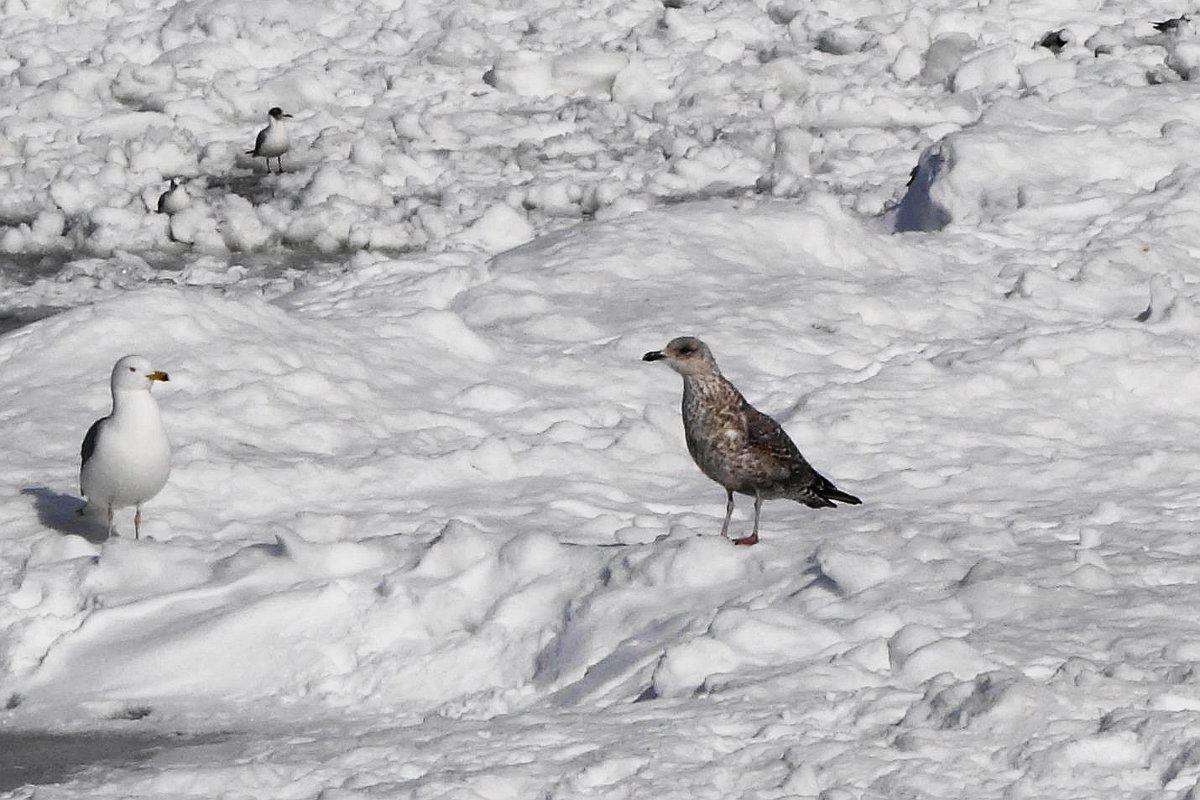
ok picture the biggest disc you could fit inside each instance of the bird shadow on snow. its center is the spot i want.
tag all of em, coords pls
(61, 512)
(251, 188)
(819, 581)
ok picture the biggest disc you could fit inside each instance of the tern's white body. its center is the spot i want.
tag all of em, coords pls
(174, 199)
(272, 140)
(126, 455)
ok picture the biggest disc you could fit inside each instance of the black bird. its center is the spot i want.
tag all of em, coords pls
(1175, 25)
(1055, 41)
(737, 445)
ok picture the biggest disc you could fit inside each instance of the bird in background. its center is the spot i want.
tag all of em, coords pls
(737, 445)
(1176, 26)
(272, 141)
(174, 199)
(1056, 40)
(126, 457)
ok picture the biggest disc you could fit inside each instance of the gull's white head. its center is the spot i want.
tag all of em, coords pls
(132, 373)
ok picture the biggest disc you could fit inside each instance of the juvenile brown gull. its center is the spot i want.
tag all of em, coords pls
(126, 457)
(737, 445)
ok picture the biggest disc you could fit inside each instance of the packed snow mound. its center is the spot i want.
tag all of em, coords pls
(285, 494)
(339, 455)
(1064, 159)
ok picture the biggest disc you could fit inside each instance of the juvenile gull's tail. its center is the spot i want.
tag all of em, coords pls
(822, 493)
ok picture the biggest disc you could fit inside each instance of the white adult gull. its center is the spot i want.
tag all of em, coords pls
(272, 141)
(126, 457)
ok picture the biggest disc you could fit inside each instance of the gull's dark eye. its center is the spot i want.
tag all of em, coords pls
(133, 369)
(686, 350)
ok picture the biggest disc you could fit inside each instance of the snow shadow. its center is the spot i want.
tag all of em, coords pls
(38, 759)
(11, 320)
(249, 187)
(61, 512)
(918, 211)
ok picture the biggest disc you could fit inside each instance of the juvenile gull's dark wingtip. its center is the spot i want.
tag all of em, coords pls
(841, 497)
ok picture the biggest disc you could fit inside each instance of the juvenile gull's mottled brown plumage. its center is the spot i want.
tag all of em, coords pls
(737, 445)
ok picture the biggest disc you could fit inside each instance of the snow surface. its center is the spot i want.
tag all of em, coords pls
(431, 529)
